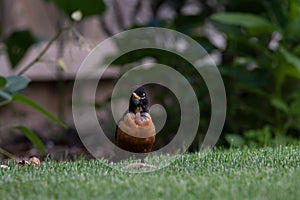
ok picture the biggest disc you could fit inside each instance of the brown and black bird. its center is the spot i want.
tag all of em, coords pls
(135, 131)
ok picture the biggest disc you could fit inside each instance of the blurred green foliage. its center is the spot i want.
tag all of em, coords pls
(260, 63)
(9, 92)
(17, 44)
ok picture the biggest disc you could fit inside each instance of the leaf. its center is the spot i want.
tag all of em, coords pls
(290, 58)
(2, 82)
(260, 136)
(186, 23)
(292, 21)
(233, 31)
(241, 19)
(277, 11)
(16, 83)
(13, 84)
(87, 7)
(279, 104)
(27, 101)
(17, 45)
(254, 79)
(246, 20)
(5, 96)
(295, 108)
(32, 137)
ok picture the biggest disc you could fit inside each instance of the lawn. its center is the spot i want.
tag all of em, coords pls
(265, 173)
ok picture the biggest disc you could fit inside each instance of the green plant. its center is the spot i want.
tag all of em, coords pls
(16, 47)
(261, 65)
(252, 137)
(9, 92)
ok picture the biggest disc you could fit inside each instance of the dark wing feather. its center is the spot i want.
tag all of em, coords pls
(117, 125)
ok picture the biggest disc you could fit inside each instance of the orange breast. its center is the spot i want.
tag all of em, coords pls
(134, 135)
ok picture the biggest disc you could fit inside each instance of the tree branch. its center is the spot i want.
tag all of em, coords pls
(41, 54)
(135, 12)
(118, 11)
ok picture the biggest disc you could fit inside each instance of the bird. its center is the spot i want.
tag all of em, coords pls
(135, 131)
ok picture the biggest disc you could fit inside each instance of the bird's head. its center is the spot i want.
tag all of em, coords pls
(138, 101)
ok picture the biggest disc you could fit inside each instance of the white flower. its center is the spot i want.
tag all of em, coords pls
(77, 15)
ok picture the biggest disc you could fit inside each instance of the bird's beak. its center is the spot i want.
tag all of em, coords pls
(135, 95)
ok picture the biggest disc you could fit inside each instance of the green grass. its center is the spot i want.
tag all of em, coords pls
(266, 173)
